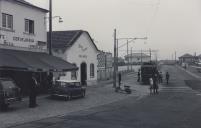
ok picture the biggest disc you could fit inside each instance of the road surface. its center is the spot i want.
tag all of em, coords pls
(176, 106)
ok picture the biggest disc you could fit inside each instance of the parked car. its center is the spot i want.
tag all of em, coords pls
(9, 92)
(67, 89)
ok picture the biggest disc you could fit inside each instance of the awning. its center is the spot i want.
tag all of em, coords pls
(33, 61)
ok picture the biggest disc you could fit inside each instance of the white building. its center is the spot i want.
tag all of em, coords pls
(136, 58)
(78, 48)
(22, 26)
(23, 43)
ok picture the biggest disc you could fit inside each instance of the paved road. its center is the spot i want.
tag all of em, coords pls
(176, 106)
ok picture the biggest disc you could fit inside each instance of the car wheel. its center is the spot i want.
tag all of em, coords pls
(70, 97)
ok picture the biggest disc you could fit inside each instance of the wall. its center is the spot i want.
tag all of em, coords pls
(83, 50)
(20, 13)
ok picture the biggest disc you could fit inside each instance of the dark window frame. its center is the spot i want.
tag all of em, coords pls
(29, 26)
(7, 21)
(92, 70)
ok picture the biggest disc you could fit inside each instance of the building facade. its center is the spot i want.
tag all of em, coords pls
(78, 48)
(22, 26)
(187, 58)
(23, 45)
(137, 58)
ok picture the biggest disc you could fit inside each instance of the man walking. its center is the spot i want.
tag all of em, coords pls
(167, 77)
(32, 91)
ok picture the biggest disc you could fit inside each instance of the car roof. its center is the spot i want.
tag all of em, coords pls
(68, 81)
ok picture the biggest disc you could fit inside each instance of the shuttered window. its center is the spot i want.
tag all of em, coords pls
(7, 21)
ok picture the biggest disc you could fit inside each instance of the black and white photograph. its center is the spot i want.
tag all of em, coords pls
(100, 63)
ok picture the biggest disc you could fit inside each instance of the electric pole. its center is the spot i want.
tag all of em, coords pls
(105, 65)
(114, 73)
(131, 58)
(127, 56)
(117, 55)
(50, 27)
(150, 54)
(141, 56)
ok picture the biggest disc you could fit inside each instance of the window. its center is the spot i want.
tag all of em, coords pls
(92, 70)
(29, 26)
(7, 21)
(74, 74)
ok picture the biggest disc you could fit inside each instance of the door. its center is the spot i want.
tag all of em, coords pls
(83, 72)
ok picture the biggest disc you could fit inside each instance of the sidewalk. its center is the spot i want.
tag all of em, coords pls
(191, 71)
(95, 96)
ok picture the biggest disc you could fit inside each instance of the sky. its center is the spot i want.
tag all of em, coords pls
(169, 25)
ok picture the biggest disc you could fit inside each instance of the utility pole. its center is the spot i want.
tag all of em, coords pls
(114, 73)
(105, 65)
(117, 55)
(127, 56)
(50, 27)
(131, 58)
(150, 54)
(175, 57)
(141, 56)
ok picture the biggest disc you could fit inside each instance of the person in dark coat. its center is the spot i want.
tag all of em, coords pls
(155, 83)
(32, 91)
(167, 77)
(119, 75)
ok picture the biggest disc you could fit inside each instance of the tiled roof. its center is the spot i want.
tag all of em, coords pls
(29, 4)
(186, 55)
(65, 39)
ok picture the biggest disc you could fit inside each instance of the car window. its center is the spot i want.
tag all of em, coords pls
(7, 84)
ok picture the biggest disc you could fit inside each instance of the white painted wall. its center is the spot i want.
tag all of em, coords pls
(21, 12)
(74, 53)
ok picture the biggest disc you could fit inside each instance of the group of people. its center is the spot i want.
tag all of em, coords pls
(155, 79)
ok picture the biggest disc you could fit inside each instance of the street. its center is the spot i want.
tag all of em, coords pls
(176, 106)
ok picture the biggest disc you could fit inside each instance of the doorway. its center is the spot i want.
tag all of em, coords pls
(83, 73)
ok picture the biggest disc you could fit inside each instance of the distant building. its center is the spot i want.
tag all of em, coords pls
(136, 58)
(188, 58)
(77, 47)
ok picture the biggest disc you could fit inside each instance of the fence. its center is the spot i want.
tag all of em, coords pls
(107, 74)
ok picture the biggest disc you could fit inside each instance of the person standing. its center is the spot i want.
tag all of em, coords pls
(155, 83)
(167, 77)
(138, 75)
(32, 91)
(119, 75)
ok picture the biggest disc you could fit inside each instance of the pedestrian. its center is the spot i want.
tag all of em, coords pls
(151, 84)
(167, 77)
(155, 83)
(138, 75)
(119, 76)
(32, 91)
(160, 77)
